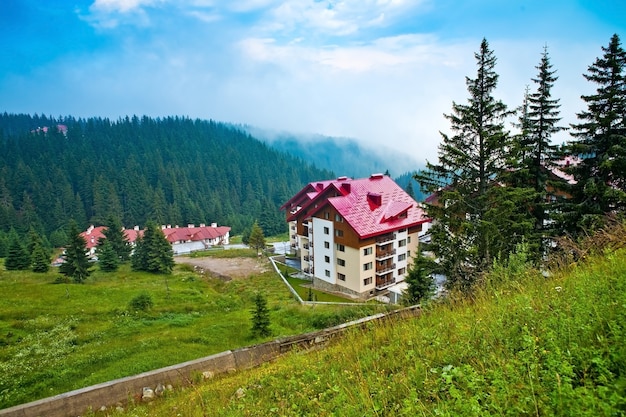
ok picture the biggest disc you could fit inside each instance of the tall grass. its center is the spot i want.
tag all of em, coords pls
(524, 346)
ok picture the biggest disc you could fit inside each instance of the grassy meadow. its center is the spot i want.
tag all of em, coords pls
(59, 337)
(522, 345)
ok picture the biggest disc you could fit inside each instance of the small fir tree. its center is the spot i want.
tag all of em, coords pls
(421, 285)
(76, 262)
(256, 239)
(260, 317)
(41, 259)
(114, 234)
(18, 257)
(153, 253)
(108, 259)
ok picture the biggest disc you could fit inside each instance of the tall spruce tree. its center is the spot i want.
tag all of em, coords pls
(600, 143)
(469, 227)
(108, 260)
(421, 284)
(153, 253)
(75, 260)
(537, 155)
(41, 258)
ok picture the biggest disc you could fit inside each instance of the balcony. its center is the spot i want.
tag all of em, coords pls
(308, 258)
(383, 254)
(382, 283)
(385, 269)
(384, 239)
(306, 246)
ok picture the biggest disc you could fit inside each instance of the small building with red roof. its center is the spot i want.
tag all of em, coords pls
(93, 234)
(356, 236)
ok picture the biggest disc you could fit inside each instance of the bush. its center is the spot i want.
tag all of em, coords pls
(142, 302)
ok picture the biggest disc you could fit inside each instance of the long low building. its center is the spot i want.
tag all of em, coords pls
(355, 236)
(183, 239)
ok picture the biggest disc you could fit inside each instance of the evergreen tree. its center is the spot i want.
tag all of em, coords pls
(41, 259)
(256, 240)
(108, 260)
(17, 257)
(153, 253)
(114, 234)
(600, 144)
(260, 317)
(468, 230)
(409, 189)
(421, 285)
(537, 156)
(4, 244)
(75, 260)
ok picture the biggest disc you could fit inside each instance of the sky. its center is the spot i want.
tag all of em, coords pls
(381, 71)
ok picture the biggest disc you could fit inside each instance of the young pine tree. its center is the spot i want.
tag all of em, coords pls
(153, 253)
(40, 258)
(18, 257)
(256, 239)
(114, 234)
(76, 262)
(421, 285)
(108, 259)
(600, 143)
(260, 317)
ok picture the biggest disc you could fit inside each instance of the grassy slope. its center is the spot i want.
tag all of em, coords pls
(59, 337)
(531, 346)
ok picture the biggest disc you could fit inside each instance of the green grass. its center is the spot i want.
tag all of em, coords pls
(59, 337)
(523, 345)
(302, 288)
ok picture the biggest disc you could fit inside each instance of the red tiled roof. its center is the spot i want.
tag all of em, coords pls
(93, 234)
(371, 206)
(184, 234)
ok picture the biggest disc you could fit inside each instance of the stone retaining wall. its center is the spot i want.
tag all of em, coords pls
(120, 391)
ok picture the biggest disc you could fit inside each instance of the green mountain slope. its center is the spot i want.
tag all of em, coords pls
(172, 170)
(525, 345)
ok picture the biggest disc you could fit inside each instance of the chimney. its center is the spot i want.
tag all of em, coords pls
(345, 188)
(202, 225)
(136, 228)
(213, 224)
(190, 225)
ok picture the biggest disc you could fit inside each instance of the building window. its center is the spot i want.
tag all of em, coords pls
(338, 218)
(402, 243)
(326, 215)
(402, 257)
(341, 248)
(367, 251)
(327, 273)
(341, 277)
(341, 262)
(408, 239)
(327, 245)
(401, 271)
(401, 230)
(367, 266)
(327, 259)
(326, 230)
(338, 233)
(367, 281)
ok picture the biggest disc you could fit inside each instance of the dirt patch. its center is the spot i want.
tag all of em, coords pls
(227, 268)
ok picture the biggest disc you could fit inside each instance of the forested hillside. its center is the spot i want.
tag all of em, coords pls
(173, 170)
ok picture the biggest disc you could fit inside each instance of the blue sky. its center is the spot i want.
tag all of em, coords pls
(381, 71)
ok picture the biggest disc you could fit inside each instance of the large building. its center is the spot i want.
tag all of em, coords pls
(356, 236)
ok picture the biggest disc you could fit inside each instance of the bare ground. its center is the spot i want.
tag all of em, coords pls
(227, 268)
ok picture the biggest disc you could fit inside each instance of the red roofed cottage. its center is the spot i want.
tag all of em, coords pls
(356, 236)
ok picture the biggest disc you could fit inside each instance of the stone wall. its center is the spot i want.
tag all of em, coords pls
(115, 393)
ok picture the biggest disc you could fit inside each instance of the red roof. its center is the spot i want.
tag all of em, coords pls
(184, 234)
(371, 206)
(93, 234)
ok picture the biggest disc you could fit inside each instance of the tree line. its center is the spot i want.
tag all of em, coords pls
(173, 170)
(496, 190)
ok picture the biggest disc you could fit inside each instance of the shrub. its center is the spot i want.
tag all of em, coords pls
(142, 302)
